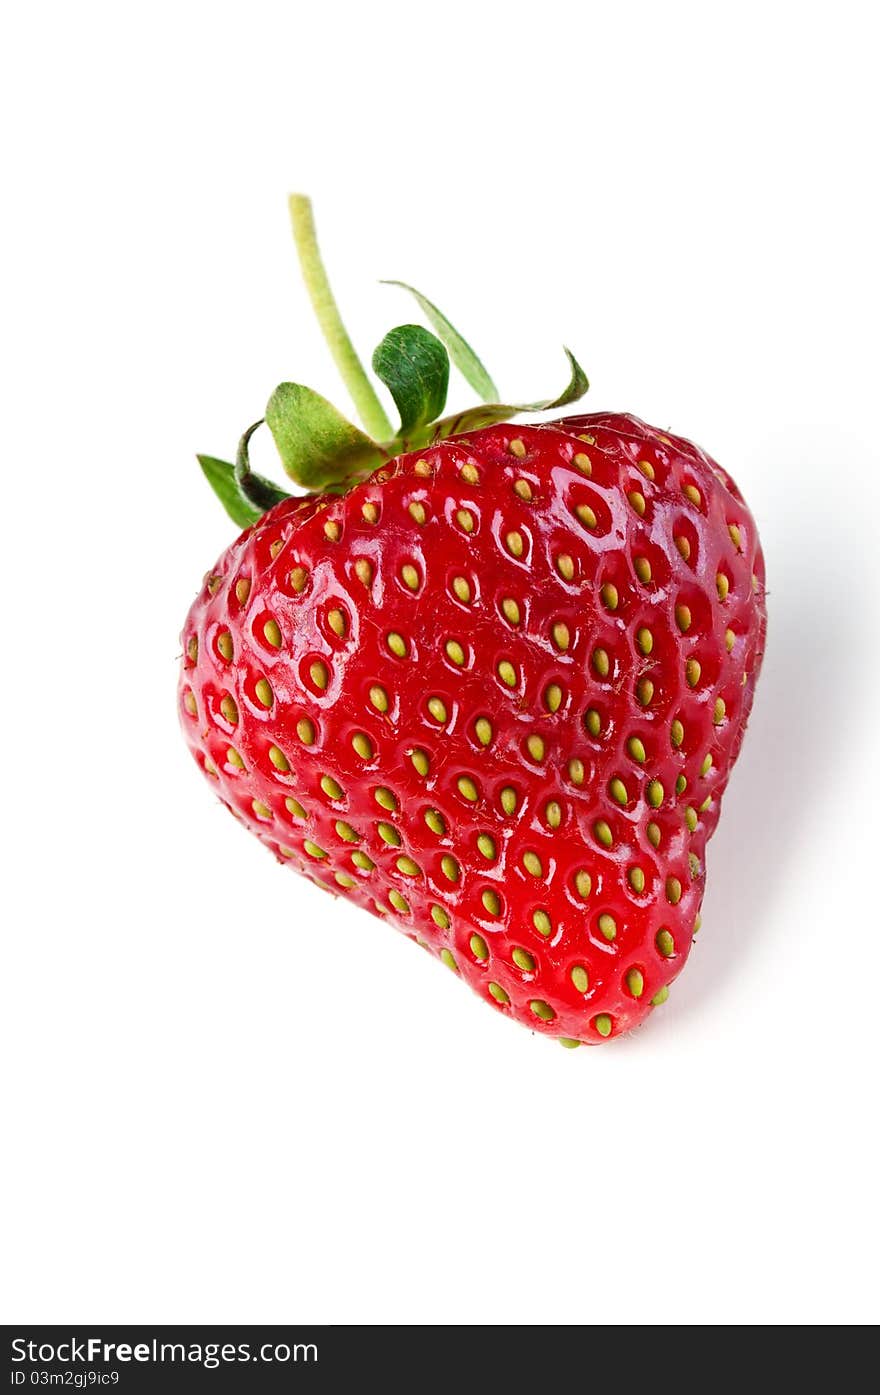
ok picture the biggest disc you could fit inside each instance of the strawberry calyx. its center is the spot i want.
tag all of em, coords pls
(320, 449)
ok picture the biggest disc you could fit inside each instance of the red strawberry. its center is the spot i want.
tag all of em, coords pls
(493, 693)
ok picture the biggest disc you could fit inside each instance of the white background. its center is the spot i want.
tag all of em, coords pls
(228, 1099)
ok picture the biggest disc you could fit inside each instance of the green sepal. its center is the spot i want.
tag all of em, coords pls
(460, 351)
(221, 477)
(414, 366)
(260, 493)
(319, 448)
(474, 418)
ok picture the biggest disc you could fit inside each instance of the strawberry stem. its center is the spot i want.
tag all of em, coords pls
(326, 310)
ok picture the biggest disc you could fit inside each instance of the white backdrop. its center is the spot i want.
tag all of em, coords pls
(229, 1100)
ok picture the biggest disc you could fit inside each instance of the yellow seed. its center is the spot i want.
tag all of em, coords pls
(479, 948)
(607, 925)
(272, 634)
(565, 566)
(214, 583)
(492, 901)
(583, 884)
(706, 765)
(586, 515)
(417, 511)
(233, 758)
(370, 512)
(533, 864)
(542, 1010)
(580, 978)
(756, 585)
(723, 584)
(449, 960)
(468, 789)
(486, 846)
(636, 748)
(420, 761)
(407, 867)
(465, 520)
(535, 747)
(735, 535)
(610, 596)
(603, 1024)
(676, 733)
(470, 474)
(637, 500)
(498, 994)
(636, 878)
(189, 702)
(450, 868)
(697, 923)
(645, 691)
(646, 468)
(603, 833)
(635, 982)
(397, 644)
(517, 448)
(455, 652)
(298, 579)
(344, 880)
(523, 960)
(553, 814)
(542, 923)
(331, 788)
(379, 698)
(695, 866)
(294, 808)
(439, 917)
(360, 859)
(229, 709)
(224, 643)
(508, 799)
(192, 649)
(389, 834)
(583, 463)
(386, 799)
(553, 697)
(423, 469)
(320, 674)
(399, 902)
(507, 673)
(665, 943)
(462, 588)
(514, 543)
(437, 709)
(313, 850)
(692, 671)
(337, 622)
(332, 530)
(511, 611)
(279, 759)
(409, 576)
(642, 569)
(655, 793)
(601, 662)
(680, 785)
(347, 833)
(363, 746)
(719, 711)
(729, 640)
(653, 832)
(592, 721)
(576, 771)
(617, 790)
(435, 822)
(683, 618)
(483, 730)
(645, 640)
(684, 548)
(691, 492)
(660, 998)
(264, 693)
(561, 635)
(691, 819)
(673, 890)
(363, 570)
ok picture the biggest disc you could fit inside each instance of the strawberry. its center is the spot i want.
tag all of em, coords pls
(492, 688)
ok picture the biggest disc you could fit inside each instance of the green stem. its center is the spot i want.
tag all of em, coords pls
(350, 367)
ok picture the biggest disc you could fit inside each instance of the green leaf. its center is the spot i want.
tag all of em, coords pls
(460, 351)
(474, 418)
(260, 493)
(319, 449)
(221, 477)
(414, 366)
